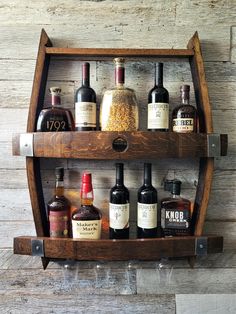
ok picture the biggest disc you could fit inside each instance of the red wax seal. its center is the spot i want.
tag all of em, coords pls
(86, 183)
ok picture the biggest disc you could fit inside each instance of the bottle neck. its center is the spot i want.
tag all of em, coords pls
(86, 192)
(119, 174)
(160, 75)
(56, 100)
(184, 90)
(86, 74)
(175, 195)
(119, 72)
(59, 189)
(147, 178)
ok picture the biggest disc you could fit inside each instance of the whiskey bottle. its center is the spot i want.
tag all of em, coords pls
(119, 207)
(158, 104)
(85, 103)
(147, 206)
(87, 219)
(56, 118)
(184, 117)
(119, 108)
(59, 209)
(175, 211)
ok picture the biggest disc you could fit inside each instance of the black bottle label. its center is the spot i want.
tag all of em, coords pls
(175, 219)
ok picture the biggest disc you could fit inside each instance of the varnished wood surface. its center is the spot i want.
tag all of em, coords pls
(98, 145)
(125, 52)
(140, 249)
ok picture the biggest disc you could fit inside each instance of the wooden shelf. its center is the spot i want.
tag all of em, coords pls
(119, 145)
(100, 145)
(107, 52)
(141, 249)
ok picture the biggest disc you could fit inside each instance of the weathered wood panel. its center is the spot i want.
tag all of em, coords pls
(88, 35)
(180, 281)
(208, 304)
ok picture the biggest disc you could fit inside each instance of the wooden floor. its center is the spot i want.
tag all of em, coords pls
(116, 288)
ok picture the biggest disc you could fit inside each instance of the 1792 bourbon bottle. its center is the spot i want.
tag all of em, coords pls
(59, 209)
(175, 211)
(56, 118)
(184, 117)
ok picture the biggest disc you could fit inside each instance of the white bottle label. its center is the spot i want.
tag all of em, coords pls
(119, 216)
(86, 229)
(85, 114)
(183, 125)
(158, 115)
(147, 215)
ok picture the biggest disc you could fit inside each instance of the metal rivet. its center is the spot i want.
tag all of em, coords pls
(37, 248)
(201, 246)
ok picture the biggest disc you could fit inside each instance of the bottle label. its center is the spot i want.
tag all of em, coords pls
(87, 229)
(119, 216)
(85, 114)
(175, 219)
(147, 215)
(183, 125)
(158, 115)
(59, 224)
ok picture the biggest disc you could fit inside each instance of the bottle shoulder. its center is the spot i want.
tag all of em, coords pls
(184, 109)
(87, 212)
(59, 203)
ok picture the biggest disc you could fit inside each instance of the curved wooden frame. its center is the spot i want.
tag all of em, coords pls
(206, 165)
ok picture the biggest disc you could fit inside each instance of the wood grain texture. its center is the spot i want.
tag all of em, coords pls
(209, 304)
(83, 145)
(144, 249)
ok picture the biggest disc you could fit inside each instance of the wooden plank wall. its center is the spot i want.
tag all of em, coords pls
(135, 287)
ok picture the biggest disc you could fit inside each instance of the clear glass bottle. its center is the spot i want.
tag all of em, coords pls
(55, 118)
(175, 211)
(184, 117)
(119, 107)
(87, 219)
(59, 209)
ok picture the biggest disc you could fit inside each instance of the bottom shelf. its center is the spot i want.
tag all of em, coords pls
(117, 250)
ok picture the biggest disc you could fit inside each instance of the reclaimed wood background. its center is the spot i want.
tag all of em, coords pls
(135, 287)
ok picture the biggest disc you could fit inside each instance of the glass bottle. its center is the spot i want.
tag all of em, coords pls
(85, 103)
(119, 108)
(87, 219)
(184, 117)
(56, 118)
(119, 207)
(147, 206)
(175, 211)
(158, 104)
(59, 209)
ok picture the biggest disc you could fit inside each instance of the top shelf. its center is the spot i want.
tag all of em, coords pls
(119, 52)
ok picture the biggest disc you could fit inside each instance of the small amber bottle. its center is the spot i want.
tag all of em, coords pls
(184, 117)
(59, 209)
(175, 211)
(87, 219)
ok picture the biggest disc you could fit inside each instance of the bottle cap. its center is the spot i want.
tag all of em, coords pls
(185, 88)
(55, 90)
(86, 183)
(59, 172)
(173, 186)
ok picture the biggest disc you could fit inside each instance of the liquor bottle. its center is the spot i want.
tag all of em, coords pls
(56, 118)
(87, 219)
(119, 108)
(85, 103)
(175, 211)
(158, 104)
(184, 117)
(59, 209)
(147, 206)
(119, 207)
